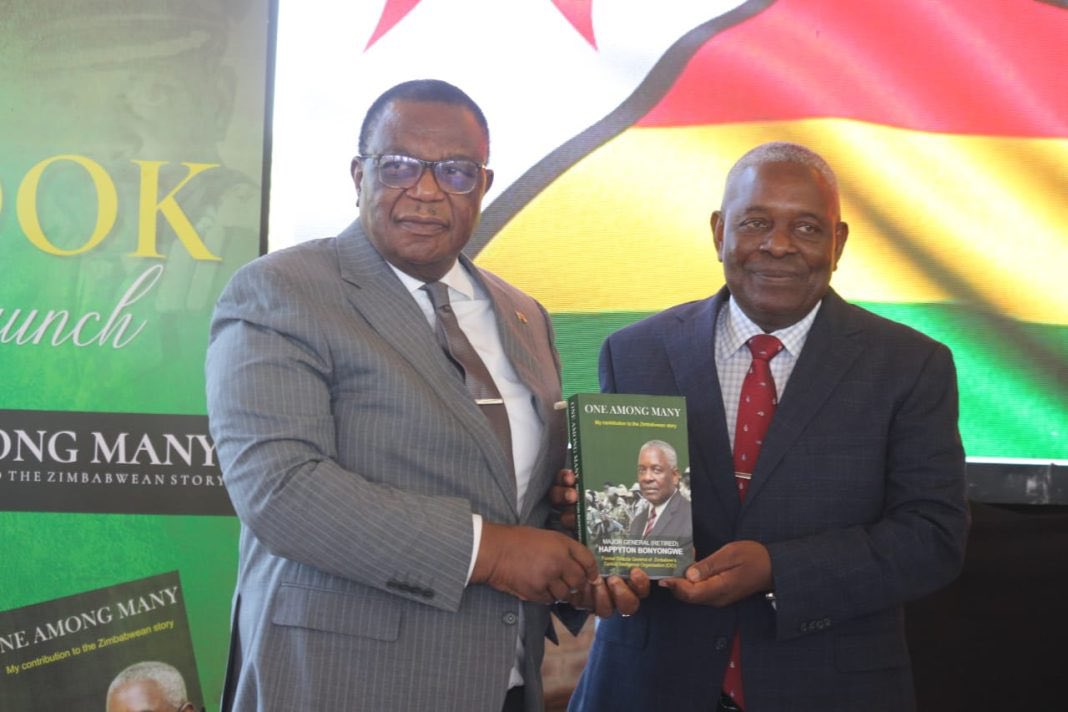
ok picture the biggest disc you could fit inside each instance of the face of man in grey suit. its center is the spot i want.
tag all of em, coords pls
(421, 229)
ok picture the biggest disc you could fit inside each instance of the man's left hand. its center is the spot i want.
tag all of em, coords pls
(735, 571)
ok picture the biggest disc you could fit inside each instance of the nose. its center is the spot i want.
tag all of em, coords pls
(426, 188)
(778, 241)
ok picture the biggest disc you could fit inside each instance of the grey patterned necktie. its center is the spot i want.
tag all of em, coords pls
(476, 376)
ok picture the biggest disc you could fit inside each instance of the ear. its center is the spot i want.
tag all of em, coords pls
(717, 232)
(356, 169)
(841, 234)
(489, 181)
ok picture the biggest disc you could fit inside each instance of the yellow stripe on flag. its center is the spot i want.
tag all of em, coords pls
(933, 218)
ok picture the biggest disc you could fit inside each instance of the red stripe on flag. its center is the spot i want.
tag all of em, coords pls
(957, 66)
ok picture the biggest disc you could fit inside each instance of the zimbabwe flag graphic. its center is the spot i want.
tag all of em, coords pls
(947, 124)
(613, 125)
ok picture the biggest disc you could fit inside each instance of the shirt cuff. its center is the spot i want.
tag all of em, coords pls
(476, 523)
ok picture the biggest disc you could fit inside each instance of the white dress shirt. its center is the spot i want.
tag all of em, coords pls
(474, 312)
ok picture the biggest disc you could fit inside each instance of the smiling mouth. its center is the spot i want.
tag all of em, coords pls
(775, 275)
(422, 225)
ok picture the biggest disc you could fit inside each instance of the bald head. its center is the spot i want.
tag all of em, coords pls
(783, 152)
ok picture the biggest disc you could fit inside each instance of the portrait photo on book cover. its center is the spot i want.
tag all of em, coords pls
(630, 456)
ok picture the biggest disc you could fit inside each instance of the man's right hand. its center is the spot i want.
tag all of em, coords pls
(534, 564)
(617, 594)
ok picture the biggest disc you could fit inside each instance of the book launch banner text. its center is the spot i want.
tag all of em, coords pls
(132, 162)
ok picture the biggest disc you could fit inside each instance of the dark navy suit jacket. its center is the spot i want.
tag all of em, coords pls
(858, 495)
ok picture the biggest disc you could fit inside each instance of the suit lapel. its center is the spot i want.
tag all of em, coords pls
(518, 339)
(831, 347)
(382, 299)
(513, 327)
(691, 352)
(667, 517)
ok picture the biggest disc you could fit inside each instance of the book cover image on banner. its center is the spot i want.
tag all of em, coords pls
(630, 454)
(68, 652)
(130, 196)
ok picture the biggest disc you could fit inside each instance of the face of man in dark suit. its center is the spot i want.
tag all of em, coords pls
(779, 238)
(421, 229)
(657, 478)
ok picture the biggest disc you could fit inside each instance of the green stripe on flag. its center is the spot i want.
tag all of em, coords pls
(1013, 382)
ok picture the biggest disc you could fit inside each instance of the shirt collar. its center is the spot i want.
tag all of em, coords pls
(739, 328)
(456, 278)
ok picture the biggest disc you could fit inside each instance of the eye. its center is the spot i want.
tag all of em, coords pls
(466, 169)
(753, 224)
(809, 229)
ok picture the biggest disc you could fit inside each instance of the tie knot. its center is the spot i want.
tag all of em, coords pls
(764, 346)
(439, 294)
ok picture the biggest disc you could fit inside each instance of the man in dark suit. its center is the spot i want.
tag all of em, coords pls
(855, 503)
(393, 552)
(658, 483)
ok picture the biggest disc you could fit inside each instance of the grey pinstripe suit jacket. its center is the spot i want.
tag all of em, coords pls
(354, 458)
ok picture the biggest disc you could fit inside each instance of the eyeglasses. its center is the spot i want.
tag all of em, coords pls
(454, 175)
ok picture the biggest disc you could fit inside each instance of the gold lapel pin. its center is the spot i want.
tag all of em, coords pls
(521, 316)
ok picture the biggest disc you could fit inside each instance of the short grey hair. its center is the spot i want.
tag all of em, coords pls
(166, 676)
(784, 152)
(667, 448)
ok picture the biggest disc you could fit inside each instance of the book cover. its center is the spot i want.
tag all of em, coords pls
(101, 649)
(630, 454)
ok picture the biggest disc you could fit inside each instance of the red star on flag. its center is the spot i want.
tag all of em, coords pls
(578, 12)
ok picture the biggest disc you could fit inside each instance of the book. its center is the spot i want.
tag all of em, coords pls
(630, 454)
(78, 651)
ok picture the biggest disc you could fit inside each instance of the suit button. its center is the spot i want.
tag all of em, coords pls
(721, 643)
(510, 618)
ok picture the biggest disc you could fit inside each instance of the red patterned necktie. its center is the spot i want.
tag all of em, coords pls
(755, 408)
(650, 523)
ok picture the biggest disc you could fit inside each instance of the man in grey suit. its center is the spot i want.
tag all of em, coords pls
(393, 550)
(853, 504)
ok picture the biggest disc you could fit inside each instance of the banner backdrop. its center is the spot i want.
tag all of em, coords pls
(132, 139)
(614, 124)
(132, 158)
